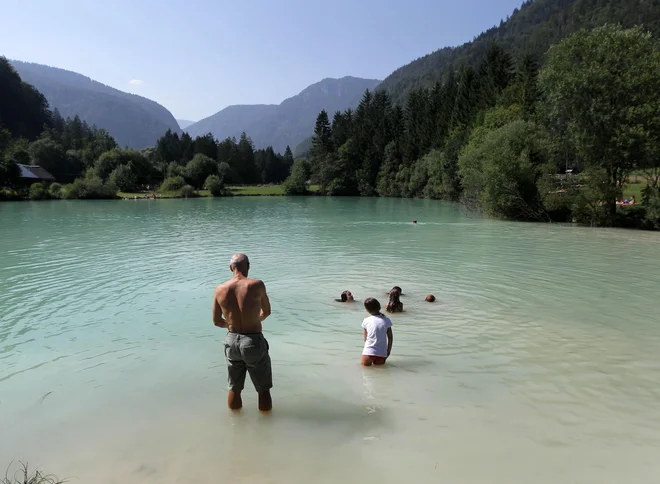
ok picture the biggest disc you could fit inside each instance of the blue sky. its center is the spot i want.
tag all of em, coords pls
(199, 56)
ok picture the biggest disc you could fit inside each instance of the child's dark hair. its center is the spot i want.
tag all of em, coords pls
(343, 297)
(372, 305)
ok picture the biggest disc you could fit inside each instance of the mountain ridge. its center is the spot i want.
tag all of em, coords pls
(530, 29)
(287, 123)
(133, 120)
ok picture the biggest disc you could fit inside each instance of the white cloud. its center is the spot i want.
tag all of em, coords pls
(135, 82)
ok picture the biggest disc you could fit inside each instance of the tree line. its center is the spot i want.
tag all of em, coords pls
(500, 137)
(88, 163)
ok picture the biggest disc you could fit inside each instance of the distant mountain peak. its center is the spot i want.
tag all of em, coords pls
(289, 122)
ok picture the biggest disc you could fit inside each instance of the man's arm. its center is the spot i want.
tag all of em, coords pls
(218, 320)
(390, 339)
(265, 303)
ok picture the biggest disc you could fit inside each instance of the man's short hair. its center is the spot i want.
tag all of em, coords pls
(239, 260)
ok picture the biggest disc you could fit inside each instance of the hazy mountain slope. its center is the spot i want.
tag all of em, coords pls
(184, 123)
(290, 122)
(132, 120)
(533, 28)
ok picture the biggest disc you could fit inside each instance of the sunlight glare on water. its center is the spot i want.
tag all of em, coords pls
(538, 362)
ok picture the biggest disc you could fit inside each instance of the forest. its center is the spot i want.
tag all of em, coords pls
(510, 139)
(88, 163)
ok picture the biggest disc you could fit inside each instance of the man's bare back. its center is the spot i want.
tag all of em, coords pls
(240, 305)
(244, 304)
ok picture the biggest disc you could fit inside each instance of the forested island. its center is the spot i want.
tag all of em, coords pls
(554, 138)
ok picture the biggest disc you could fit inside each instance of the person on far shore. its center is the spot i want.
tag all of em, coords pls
(378, 337)
(244, 304)
(346, 296)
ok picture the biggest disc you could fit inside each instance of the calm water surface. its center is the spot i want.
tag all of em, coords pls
(539, 362)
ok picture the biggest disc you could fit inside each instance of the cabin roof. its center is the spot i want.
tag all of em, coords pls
(35, 172)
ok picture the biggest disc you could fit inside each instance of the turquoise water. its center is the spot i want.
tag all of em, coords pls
(538, 363)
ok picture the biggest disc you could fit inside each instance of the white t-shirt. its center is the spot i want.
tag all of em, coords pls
(376, 342)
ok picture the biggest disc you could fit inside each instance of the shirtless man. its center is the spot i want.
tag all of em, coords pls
(244, 304)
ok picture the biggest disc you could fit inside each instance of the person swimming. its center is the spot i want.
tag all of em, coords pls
(346, 296)
(395, 288)
(394, 305)
(430, 298)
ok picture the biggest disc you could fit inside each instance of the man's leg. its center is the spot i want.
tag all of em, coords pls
(258, 364)
(265, 401)
(234, 400)
(236, 369)
(366, 360)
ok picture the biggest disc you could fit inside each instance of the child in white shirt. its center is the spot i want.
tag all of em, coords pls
(377, 335)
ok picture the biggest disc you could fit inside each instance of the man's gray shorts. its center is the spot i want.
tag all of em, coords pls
(248, 352)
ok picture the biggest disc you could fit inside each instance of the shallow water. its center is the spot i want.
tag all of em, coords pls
(538, 363)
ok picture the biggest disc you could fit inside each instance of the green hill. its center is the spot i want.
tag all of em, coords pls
(533, 28)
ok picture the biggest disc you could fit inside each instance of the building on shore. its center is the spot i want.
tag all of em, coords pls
(34, 173)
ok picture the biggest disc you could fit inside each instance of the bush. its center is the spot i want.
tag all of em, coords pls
(172, 184)
(55, 190)
(124, 178)
(89, 187)
(499, 170)
(38, 191)
(296, 183)
(214, 185)
(187, 191)
(200, 168)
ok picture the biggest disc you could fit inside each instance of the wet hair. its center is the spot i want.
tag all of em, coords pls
(394, 305)
(343, 297)
(372, 305)
(430, 298)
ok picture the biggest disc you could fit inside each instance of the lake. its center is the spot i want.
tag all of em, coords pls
(537, 364)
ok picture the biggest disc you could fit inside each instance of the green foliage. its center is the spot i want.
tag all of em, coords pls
(187, 191)
(38, 191)
(199, 168)
(91, 187)
(9, 173)
(51, 156)
(124, 178)
(172, 184)
(136, 161)
(55, 190)
(296, 183)
(499, 171)
(23, 109)
(651, 200)
(215, 186)
(601, 97)
(531, 29)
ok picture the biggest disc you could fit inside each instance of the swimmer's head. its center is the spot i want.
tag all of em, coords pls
(372, 305)
(430, 298)
(347, 296)
(395, 290)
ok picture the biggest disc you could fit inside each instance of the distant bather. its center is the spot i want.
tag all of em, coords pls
(394, 305)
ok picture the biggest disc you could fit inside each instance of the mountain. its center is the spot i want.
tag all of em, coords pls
(533, 28)
(132, 120)
(184, 123)
(288, 123)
